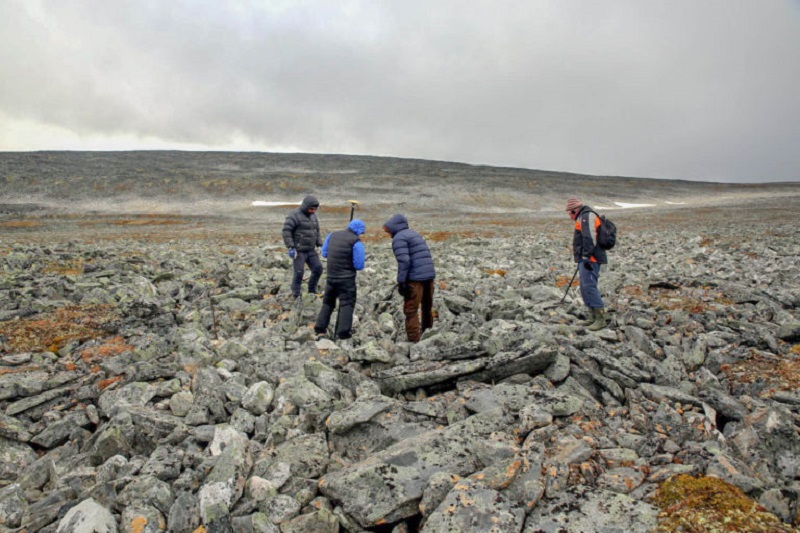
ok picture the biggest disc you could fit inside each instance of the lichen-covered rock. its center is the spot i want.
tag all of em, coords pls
(14, 458)
(789, 332)
(225, 483)
(359, 412)
(472, 507)
(592, 510)
(12, 506)
(258, 398)
(387, 487)
(88, 517)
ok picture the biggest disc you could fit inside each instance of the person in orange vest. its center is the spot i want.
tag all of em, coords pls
(589, 257)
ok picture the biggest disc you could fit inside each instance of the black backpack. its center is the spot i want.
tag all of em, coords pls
(606, 233)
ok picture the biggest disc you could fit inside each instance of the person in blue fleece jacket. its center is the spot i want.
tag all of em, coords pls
(346, 255)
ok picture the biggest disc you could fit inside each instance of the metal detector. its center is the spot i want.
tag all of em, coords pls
(569, 285)
(353, 204)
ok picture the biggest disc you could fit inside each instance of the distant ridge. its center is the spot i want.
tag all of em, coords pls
(188, 177)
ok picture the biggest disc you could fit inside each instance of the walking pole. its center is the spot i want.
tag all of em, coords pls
(569, 285)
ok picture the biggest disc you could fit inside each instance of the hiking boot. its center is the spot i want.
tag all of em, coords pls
(600, 320)
(590, 318)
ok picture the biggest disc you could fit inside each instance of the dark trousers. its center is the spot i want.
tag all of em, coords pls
(345, 291)
(302, 259)
(420, 294)
(589, 291)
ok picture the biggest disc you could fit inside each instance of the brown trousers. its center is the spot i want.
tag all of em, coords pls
(420, 294)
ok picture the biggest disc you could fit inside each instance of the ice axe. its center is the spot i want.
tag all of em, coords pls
(569, 285)
(353, 204)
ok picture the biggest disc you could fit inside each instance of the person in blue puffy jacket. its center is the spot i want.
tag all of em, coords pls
(346, 256)
(415, 275)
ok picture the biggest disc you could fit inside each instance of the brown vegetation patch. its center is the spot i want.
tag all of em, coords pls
(338, 210)
(439, 236)
(705, 504)
(18, 369)
(51, 331)
(103, 384)
(375, 235)
(562, 281)
(71, 267)
(18, 224)
(780, 374)
(514, 222)
(108, 348)
(134, 220)
(147, 222)
(633, 291)
(689, 299)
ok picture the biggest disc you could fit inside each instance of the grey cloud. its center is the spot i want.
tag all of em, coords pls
(662, 89)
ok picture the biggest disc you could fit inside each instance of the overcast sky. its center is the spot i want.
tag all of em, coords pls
(687, 89)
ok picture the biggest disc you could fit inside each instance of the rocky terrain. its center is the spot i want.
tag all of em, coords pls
(155, 375)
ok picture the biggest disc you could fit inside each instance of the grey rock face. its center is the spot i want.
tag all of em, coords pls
(598, 511)
(472, 507)
(14, 457)
(13, 506)
(789, 332)
(388, 486)
(88, 517)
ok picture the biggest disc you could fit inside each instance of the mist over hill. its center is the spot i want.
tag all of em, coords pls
(228, 182)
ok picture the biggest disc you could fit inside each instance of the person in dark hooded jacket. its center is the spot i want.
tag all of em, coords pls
(346, 256)
(301, 236)
(415, 275)
(590, 257)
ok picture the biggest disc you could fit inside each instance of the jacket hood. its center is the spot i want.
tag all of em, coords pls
(309, 201)
(357, 226)
(396, 223)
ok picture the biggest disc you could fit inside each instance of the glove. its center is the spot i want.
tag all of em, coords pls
(292, 253)
(587, 265)
(403, 289)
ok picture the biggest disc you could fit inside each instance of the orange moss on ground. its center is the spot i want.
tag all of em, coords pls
(708, 504)
(19, 370)
(147, 222)
(376, 235)
(109, 348)
(691, 300)
(71, 267)
(781, 374)
(17, 224)
(135, 220)
(439, 236)
(51, 331)
(562, 281)
(103, 384)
